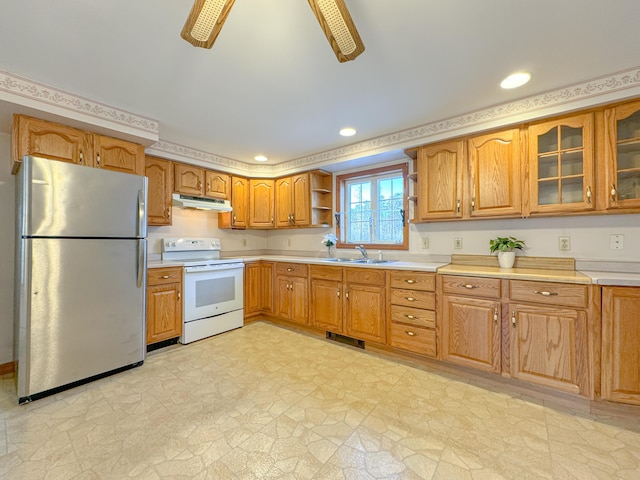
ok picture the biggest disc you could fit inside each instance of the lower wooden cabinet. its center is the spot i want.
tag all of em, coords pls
(291, 292)
(364, 304)
(258, 288)
(621, 344)
(164, 304)
(549, 347)
(326, 294)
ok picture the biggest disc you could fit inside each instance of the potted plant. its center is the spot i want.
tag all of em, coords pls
(329, 240)
(506, 247)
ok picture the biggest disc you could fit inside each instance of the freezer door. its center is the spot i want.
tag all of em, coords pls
(81, 310)
(58, 199)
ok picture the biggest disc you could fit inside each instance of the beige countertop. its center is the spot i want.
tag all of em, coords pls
(544, 275)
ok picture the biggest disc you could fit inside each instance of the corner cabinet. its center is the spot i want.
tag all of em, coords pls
(160, 177)
(164, 304)
(622, 156)
(561, 155)
(621, 344)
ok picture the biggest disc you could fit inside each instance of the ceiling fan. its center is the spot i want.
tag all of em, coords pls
(207, 17)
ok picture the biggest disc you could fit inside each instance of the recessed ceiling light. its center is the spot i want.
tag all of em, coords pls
(348, 132)
(515, 80)
(260, 158)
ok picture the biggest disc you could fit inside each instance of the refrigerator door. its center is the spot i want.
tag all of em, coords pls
(81, 310)
(66, 200)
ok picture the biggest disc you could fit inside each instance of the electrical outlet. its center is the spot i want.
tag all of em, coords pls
(244, 242)
(616, 241)
(425, 242)
(564, 243)
(457, 243)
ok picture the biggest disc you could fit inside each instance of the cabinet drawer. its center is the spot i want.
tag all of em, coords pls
(414, 339)
(326, 273)
(162, 276)
(471, 286)
(368, 276)
(413, 316)
(291, 269)
(413, 298)
(414, 280)
(549, 293)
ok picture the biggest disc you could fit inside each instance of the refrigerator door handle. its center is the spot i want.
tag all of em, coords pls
(142, 253)
(141, 210)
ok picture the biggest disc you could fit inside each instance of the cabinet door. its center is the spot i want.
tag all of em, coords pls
(495, 182)
(622, 156)
(239, 217)
(621, 344)
(118, 155)
(561, 165)
(188, 179)
(266, 286)
(164, 312)
(549, 347)
(261, 203)
(284, 209)
(299, 300)
(217, 185)
(471, 332)
(440, 181)
(32, 136)
(252, 288)
(301, 200)
(160, 175)
(365, 312)
(325, 309)
(283, 297)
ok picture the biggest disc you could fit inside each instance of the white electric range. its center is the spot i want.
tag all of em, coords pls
(213, 288)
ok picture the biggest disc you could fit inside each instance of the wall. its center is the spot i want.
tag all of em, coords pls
(7, 234)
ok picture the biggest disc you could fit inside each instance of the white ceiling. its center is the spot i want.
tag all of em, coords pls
(271, 84)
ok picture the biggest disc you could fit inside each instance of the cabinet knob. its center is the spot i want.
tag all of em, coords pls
(410, 333)
(613, 192)
(208, 187)
(495, 314)
(513, 319)
(168, 212)
(473, 204)
(589, 194)
(338, 293)
(458, 205)
(346, 295)
(179, 296)
(98, 160)
(81, 157)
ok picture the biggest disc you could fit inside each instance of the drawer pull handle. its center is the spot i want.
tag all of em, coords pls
(411, 299)
(545, 294)
(289, 269)
(468, 286)
(410, 333)
(411, 282)
(165, 276)
(411, 317)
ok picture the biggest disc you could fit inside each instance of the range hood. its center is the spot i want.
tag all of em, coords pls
(188, 201)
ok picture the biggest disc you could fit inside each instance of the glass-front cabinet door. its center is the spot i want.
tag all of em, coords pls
(561, 165)
(622, 155)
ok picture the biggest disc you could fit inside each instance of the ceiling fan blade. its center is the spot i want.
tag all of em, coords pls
(337, 25)
(205, 22)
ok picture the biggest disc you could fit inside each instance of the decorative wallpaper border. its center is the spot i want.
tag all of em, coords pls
(26, 88)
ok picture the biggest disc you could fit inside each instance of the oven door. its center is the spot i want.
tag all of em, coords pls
(212, 291)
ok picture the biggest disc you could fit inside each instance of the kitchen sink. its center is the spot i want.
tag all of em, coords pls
(358, 260)
(342, 260)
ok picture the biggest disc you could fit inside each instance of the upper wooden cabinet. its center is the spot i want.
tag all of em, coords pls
(261, 203)
(188, 180)
(495, 179)
(32, 136)
(239, 217)
(561, 155)
(622, 156)
(118, 155)
(293, 201)
(160, 186)
(440, 176)
(217, 185)
(321, 198)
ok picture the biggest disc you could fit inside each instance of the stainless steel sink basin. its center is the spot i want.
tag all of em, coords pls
(372, 260)
(342, 260)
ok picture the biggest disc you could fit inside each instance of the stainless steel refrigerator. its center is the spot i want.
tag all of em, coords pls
(80, 275)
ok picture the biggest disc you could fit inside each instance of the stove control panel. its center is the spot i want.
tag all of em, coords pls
(190, 244)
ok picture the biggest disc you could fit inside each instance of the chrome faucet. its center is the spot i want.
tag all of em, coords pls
(363, 251)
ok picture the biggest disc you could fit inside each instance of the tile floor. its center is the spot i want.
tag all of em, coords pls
(264, 402)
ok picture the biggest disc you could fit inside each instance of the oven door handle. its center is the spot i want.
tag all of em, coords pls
(219, 268)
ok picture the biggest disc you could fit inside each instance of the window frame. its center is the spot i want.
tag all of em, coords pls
(341, 198)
